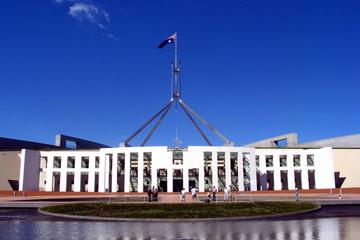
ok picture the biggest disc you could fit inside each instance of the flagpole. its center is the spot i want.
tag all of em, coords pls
(172, 80)
(176, 70)
(176, 96)
(176, 51)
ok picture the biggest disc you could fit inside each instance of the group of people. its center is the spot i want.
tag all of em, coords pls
(193, 191)
(211, 196)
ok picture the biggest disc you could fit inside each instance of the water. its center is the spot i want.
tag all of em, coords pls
(326, 224)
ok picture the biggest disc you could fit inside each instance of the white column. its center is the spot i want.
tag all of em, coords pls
(63, 178)
(304, 178)
(77, 174)
(114, 183)
(153, 175)
(127, 172)
(277, 177)
(291, 174)
(304, 172)
(170, 180)
(324, 168)
(140, 172)
(49, 180)
(102, 166)
(214, 170)
(291, 179)
(186, 179)
(240, 171)
(262, 169)
(63, 173)
(253, 185)
(227, 169)
(91, 177)
(107, 172)
(201, 178)
(49, 174)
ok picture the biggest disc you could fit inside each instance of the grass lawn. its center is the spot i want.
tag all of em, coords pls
(192, 210)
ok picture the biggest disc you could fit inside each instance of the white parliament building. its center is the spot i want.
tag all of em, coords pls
(135, 169)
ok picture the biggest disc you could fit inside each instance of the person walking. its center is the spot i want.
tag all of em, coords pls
(296, 194)
(193, 193)
(226, 194)
(214, 194)
(230, 193)
(182, 195)
(150, 193)
(155, 195)
(208, 199)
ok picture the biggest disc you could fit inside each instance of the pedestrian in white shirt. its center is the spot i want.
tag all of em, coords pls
(182, 195)
(226, 194)
(193, 193)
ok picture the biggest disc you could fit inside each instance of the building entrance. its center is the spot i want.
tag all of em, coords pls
(298, 183)
(270, 180)
(311, 176)
(284, 180)
(177, 180)
(56, 182)
(194, 178)
(162, 180)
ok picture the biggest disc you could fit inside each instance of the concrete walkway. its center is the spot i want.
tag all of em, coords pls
(33, 201)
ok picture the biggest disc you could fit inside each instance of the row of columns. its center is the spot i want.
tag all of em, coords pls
(104, 171)
(289, 168)
(77, 170)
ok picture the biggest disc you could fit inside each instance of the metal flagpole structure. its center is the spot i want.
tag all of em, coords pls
(177, 99)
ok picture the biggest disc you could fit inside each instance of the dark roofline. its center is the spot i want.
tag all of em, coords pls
(8, 144)
(16, 144)
(79, 142)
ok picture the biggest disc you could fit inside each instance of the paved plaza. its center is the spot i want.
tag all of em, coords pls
(40, 199)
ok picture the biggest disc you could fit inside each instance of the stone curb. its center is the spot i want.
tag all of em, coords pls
(92, 218)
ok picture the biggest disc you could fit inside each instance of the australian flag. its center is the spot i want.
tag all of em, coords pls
(168, 40)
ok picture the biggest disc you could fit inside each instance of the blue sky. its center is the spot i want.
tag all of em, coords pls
(254, 69)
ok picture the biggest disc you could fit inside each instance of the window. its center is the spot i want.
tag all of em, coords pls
(177, 157)
(147, 163)
(221, 170)
(234, 171)
(134, 163)
(121, 163)
(57, 162)
(296, 159)
(221, 159)
(162, 172)
(84, 162)
(257, 160)
(207, 158)
(97, 162)
(310, 160)
(269, 161)
(283, 161)
(234, 163)
(71, 162)
(207, 171)
(147, 159)
(246, 170)
(43, 163)
(207, 163)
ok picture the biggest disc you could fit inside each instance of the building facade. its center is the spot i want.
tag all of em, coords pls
(136, 169)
